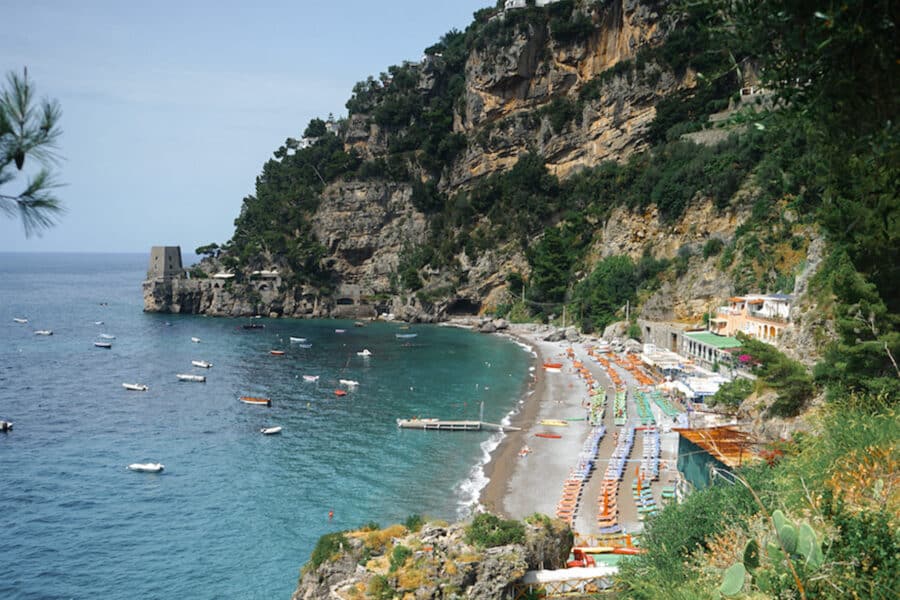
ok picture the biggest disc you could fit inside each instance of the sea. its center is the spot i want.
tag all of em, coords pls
(235, 513)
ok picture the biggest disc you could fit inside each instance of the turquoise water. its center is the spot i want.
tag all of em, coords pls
(235, 513)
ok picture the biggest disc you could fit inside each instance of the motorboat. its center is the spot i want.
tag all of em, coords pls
(297, 340)
(6, 426)
(348, 382)
(255, 400)
(98, 322)
(196, 340)
(340, 331)
(364, 352)
(191, 377)
(201, 363)
(20, 320)
(136, 387)
(270, 430)
(276, 352)
(147, 467)
(310, 378)
(106, 345)
(107, 336)
(43, 332)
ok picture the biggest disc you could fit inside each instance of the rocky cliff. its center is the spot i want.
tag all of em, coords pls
(393, 227)
(436, 561)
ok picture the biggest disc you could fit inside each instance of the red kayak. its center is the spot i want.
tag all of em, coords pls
(551, 436)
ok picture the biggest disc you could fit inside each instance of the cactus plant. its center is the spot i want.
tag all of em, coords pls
(788, 535)
(733, 581)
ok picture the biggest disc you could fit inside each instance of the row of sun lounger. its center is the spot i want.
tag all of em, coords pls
(620, 413)
(616, 466)
(650, 455)
(664, 403)
(644, 500)
(645, 413)
(574, 485)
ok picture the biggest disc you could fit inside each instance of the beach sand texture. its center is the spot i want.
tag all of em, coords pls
(520, 486)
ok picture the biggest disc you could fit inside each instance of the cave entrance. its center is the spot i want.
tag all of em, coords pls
(463, 306)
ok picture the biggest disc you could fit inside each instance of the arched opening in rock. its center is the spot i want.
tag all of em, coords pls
(463, 306)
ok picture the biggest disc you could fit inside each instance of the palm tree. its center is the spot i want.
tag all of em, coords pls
(28, 129)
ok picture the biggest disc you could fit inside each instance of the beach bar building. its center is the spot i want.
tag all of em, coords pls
(725, 447)
(708, 349)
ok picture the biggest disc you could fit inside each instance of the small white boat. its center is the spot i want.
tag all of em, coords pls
(196, 340)
(147, 467)
(98, 322)
(340, 331)
(364, 352)
(270, 430)
(20, 320)
(43, 332)
(304, 345)
(310, 378)
(107, 336)
(106, 345)
(405, 336)
(189, 377)
(201, 363)
(297, 340)
(136, 387)
(348, 382)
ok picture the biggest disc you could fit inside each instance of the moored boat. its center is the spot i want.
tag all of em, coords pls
(20, 320)
(276, 352)
(6, 426)
(255, 400)
(310, 378)
(106, 345)
(147, 467)
(136, 387)
(270, 430)
(196, 340)
(364, 352)
(43, 332)
(340, 393)
(348, 382)
(549, 436)
(201, 363)
(297, 340)
(340, 330)
(405, 336)
(107, 336)
(254, 326)
(190, 377)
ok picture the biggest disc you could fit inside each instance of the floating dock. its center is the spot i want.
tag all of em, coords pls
(440, 425)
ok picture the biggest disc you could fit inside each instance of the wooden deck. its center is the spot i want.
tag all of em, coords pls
(441, 425)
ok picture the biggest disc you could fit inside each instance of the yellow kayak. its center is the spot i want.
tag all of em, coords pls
(554, 422)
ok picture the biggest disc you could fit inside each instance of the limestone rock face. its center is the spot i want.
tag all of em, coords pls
(441, 563)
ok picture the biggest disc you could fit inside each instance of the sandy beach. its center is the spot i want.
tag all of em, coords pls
(522, 485)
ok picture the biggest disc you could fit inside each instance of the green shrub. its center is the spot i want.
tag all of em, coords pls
(414, 523)
(326, 548)
(786, 376)
(398, 557)
(488, 531)
(731, 394)
(712, 247)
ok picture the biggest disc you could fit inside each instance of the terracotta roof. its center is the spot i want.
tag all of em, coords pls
(728, 444)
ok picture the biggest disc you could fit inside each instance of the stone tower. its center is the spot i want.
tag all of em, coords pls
(165, 263)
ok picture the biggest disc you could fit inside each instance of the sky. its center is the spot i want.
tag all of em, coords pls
(171, 108)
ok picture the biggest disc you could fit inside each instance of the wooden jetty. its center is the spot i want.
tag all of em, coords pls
(441, 425)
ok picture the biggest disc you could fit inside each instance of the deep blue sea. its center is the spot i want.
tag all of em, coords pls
(235, 514)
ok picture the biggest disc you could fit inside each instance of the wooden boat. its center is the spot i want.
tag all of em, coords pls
(310, 378)
(196, 340)
(270, 430)
(106, 345)
(276, 352)
(550, 365)
(201, 363)
(136, 387)
(297, 340)
(20, 320)
(255, 400)
(340, 392)
(405, 336)
(190, 377)
(43, 332)
(549, 436)
(147, 467)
